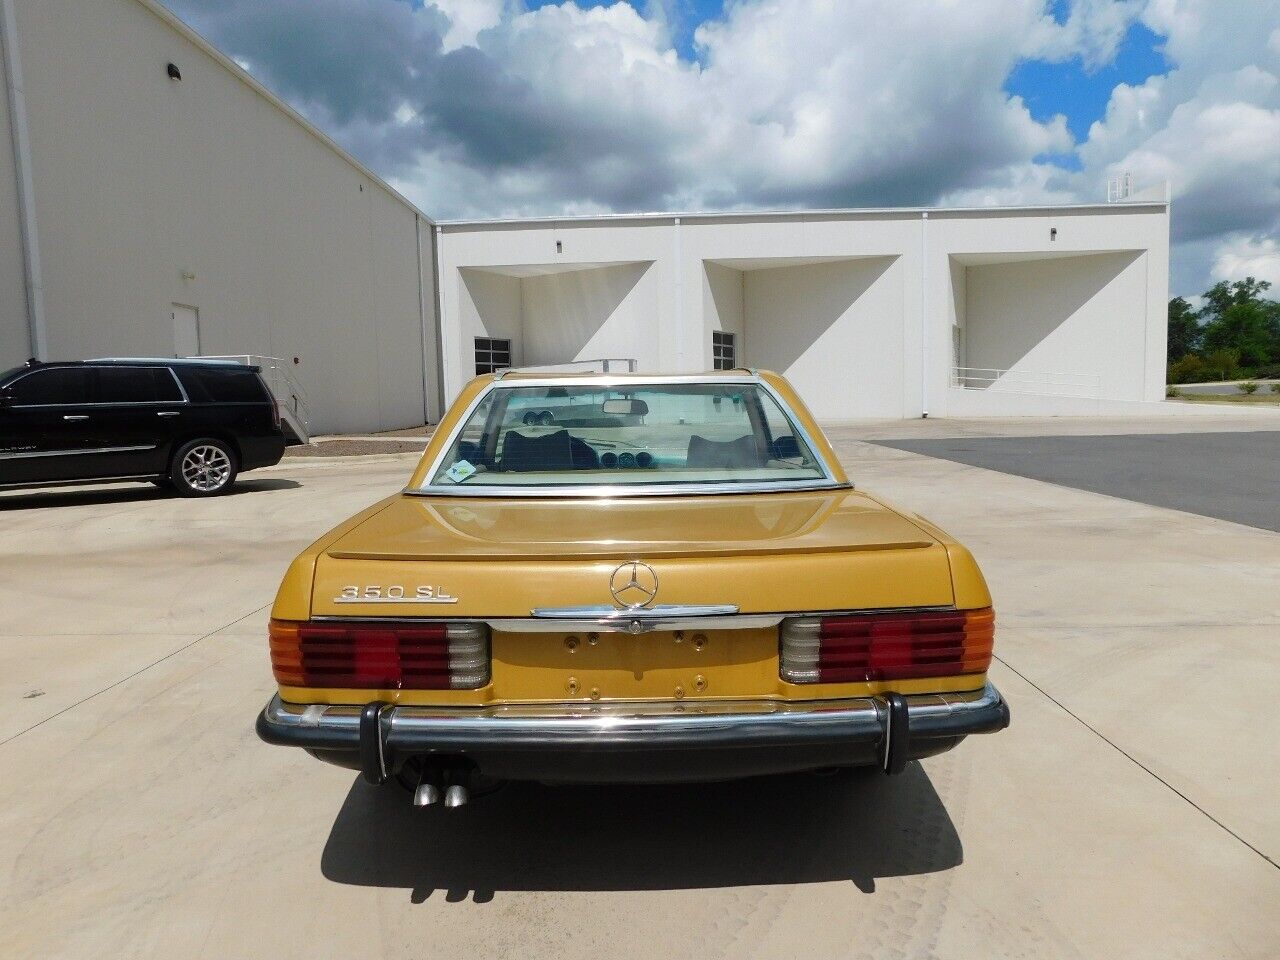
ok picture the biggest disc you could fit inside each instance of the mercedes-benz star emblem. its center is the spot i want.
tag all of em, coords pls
(634, 585)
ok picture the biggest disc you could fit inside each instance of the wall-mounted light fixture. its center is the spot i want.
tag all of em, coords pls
(559, 247)
(1053, 233)
(174, 72)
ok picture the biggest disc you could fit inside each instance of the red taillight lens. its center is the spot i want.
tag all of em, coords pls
(381, 656)
(886, 646)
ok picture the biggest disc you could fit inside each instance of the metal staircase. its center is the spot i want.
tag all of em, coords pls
(291, 400)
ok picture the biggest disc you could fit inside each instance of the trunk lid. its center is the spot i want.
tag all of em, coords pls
(454, 557)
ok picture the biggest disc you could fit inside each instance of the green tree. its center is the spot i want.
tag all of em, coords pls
(1246, 328)
(1184, 329)
(1225, 294)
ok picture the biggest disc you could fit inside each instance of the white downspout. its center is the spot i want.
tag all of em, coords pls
(445, 360)
(924, 314)
(679, 285)
(422, 316)
(26, 186)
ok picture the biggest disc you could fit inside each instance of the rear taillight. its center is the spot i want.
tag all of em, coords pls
(886, 646)
(382, 656)
(275, 412)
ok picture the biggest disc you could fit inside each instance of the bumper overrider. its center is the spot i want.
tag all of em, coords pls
(639, 741)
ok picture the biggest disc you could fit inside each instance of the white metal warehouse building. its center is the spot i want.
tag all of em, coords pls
(871, 313)
(147, 214)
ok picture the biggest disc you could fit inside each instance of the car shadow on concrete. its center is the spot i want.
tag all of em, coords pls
(72, 496)
(802, 828)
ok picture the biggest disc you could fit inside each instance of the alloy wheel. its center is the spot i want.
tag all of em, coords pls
(206, 468)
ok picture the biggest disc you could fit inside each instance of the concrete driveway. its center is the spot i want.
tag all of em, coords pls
(1130, 811)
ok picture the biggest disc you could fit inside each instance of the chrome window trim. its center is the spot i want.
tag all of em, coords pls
(596, 491)
(605, 492)
(101, 366)
(30, 454)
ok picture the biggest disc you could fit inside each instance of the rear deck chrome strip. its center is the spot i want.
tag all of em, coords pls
(612, 620)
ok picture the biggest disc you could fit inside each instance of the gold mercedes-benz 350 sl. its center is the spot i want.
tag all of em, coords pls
(594, 578)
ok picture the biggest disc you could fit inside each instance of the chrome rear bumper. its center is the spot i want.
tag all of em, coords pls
(641, 741)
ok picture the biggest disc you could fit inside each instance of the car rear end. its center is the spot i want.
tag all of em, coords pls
(671, 580)
(841, 634)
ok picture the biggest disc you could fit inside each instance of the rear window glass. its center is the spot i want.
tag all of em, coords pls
(61, 385)
(136, 385)
(223, 386)
(628, 434)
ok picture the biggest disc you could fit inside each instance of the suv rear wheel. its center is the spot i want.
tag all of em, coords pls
(203, 468)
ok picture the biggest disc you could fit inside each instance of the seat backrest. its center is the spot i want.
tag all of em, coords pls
(523, 454)
(742, 452)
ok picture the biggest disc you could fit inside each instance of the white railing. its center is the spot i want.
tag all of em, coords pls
(291, 399)
(606, 365)
(1086, 385)
(1120, 188)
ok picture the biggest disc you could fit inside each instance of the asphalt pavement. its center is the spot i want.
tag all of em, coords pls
(1231, 476)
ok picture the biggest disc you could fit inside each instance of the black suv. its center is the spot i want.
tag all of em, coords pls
(191, 425)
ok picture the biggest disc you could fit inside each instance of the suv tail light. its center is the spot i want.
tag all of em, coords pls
(886, 646)
(381, 656)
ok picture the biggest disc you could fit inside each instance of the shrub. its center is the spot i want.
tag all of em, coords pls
(1223, 363)
(1275, 388)
(1249, 387)
(1171, 392)
(1186, 370)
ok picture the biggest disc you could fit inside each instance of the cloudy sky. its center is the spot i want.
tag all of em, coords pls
(486, 108)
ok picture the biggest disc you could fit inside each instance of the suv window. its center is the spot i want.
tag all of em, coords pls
(136, 385)
(223, 386)
(57, 386)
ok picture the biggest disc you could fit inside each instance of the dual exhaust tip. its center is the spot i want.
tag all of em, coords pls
(439, 782)
(431, 790)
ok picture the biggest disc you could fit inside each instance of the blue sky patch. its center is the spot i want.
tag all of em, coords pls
(1082, 96)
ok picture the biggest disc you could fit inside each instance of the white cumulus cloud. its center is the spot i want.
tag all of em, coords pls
(1246, 256)
(487, 108)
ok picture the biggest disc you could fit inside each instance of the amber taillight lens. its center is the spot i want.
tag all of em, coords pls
(886, 646)
(380, 656)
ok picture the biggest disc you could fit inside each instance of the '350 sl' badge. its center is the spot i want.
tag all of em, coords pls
(394, 594)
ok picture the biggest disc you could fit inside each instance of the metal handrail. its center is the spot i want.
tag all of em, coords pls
(602, 362)
(288, 392)
(983, 378)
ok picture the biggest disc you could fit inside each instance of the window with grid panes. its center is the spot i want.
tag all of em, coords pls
(492, 355)
(723, 350)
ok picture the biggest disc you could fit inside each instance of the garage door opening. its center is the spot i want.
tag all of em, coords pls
(1049, 324)
(545, 314)
(832, 324)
